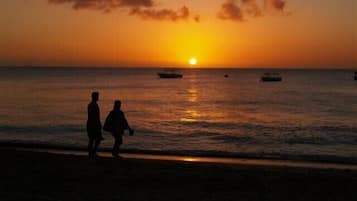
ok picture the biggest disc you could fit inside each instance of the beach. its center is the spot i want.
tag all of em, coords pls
(28, 175)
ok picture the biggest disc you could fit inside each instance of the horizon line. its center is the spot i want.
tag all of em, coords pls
(179, 67)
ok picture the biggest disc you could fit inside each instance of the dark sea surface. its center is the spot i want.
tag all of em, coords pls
(312, 114)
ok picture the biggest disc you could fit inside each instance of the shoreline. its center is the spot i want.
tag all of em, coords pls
(210, 160)
(27, 175)
(162, 156)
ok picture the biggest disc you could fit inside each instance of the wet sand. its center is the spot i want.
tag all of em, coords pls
(27, 175)
(207, 159)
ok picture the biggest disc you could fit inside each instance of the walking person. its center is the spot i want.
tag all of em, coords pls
(94, 126)
(116, 124)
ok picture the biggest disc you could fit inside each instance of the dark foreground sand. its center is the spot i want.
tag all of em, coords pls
(42, 176)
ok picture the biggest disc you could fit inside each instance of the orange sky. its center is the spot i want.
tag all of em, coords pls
(219, 33)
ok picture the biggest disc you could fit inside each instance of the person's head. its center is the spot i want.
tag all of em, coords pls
(117, 105)
(95, 96)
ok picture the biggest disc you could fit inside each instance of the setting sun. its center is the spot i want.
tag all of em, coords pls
(193, 61)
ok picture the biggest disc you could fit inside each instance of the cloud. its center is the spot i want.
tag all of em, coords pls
(251, 8)
(230, 11)
(104, 5)
(197, 18)
(145, 9)
(239, 10)
(276, 5)
(235, 10)
(145, 3)
(162, 14)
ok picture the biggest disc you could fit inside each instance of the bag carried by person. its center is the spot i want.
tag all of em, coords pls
(109, 124)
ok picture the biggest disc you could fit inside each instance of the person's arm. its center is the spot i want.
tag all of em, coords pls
(126, 125)
(100, 122)
(96, 115)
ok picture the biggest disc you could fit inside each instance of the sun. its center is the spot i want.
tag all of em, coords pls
(193, 61)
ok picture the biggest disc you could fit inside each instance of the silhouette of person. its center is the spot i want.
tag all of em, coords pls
(94, 126)
(116, 123)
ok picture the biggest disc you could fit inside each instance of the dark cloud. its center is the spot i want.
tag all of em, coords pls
(238, 10)
(197, 18)
(162, 14)
(230, 11)
(136, 3)
(145, 9)
(104, 5)
(276, 5)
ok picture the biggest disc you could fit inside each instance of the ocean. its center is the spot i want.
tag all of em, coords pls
(310, 115)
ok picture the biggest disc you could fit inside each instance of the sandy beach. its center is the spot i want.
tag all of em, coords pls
(27, 175)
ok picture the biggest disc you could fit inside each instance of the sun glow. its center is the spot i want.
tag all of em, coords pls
(193, 61)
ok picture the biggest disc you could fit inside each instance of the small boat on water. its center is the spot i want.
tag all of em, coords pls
(169, 75)
(355, 75)
(271, 77)
(226, 76)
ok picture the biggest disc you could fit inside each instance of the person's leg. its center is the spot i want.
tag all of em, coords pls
(116, 147)
(97, 138)
(96, 145)
(120, 142)
(90, 145)
(115, 150)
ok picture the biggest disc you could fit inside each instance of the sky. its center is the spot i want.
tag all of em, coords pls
(168, 33)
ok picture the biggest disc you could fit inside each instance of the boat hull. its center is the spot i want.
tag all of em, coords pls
(170, 75)
(271, 79)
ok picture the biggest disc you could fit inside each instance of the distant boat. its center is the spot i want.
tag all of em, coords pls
(355, 75)
(271, 77)
(226, 76)
(169, 75)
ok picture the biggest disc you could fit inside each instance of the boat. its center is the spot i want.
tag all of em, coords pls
(226, 76)
(271, 77)
(355, 75)
(169, 75)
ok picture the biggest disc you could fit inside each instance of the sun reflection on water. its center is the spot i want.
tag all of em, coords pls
(191, 116)
(188, 159)
(193, 95)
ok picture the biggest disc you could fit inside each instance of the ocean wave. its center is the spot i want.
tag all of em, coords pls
(221, 132)
(233, 139)
(43, 129)
(266, 127)
(323, 140)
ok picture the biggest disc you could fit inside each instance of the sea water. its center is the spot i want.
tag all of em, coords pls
(311, 114)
